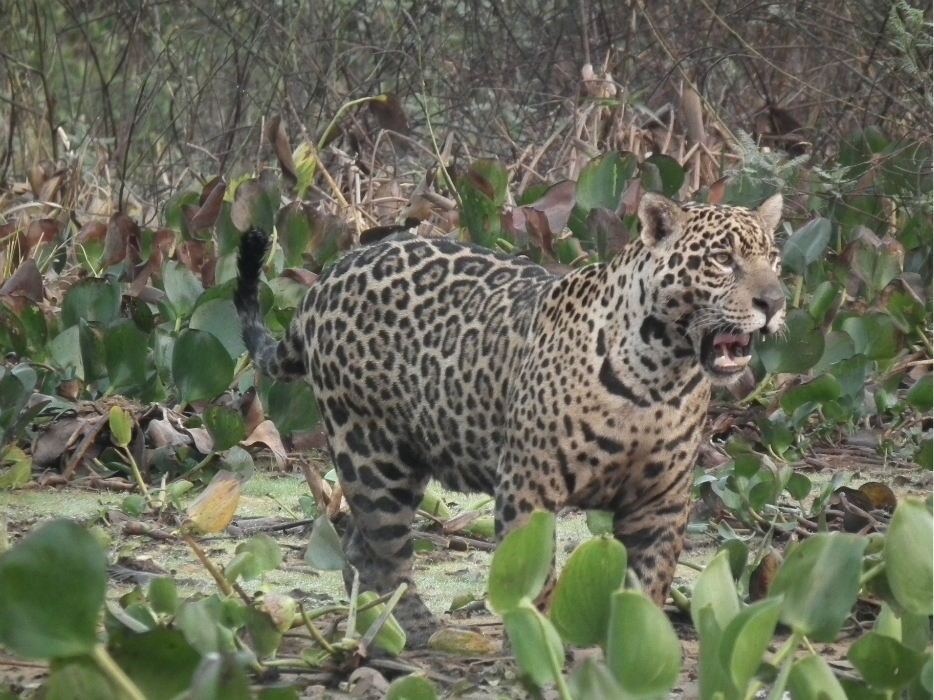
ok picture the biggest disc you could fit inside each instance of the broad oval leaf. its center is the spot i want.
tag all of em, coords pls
(413, 687)
(817, 391)
(125, 353)
(806, 245)
(51, 591)
(225, 426)
(535, 643)
(580, 609)
(746, 638)
(643, 651)
(715, 588)
(160, 662)
(812, 679)
(591, 680)
(603, 180)
(201, 366)
(820, 582)
(181, 287)
(324, 550)
(522, 563)
(885, 663)
(92, 299)
(908, 556)
(795, 350)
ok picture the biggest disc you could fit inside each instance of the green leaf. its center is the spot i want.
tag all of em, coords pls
(642, 651)
(225, 426)
(292, 407)
(160, 662)
(264, 634)
(77, 678)
(817, 391)
(823, 299)
(163, 595)
(806, 245)
(603, 180)
(799, 486)
(885, 663)
(181, 287)
(921, 394)
(220, 676)
(746, 639)
(599, 522)
(591, 680)
(92, 351)
(522, 563)
(812, 679)
(670, 173)
(908, 556)
(92, 299)
(51, 592)
(125, 353)
(266, 556)
(20, 473)
(820, 582)
(219, 318)
(535, 642)
(121, 426)
(925, 455)
(324, 547)
(715, 588)
(201, 367)
(412, 687)
(580, 609)
(391, 637)
(796, 350)
(714, 682)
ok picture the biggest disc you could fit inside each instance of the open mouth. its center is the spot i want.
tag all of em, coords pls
(724, 353)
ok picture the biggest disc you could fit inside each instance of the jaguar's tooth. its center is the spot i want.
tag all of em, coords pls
(742, 360)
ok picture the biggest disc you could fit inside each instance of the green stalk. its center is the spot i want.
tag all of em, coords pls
(115, 674)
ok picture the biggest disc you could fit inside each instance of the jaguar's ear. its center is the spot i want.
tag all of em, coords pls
(661, 218)
(770, 213)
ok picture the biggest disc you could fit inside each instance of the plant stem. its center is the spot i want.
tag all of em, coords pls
(313, 631)
(218, 577)
(115, 674)
(137, 475)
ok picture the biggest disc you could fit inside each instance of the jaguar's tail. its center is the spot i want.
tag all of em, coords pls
(274, 359)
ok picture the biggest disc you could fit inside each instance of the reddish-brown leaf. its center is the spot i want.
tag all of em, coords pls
(557, 204)
(300, 275)
(536, 223)
(122, 240)
(718, 191)
(191, 255)
(275, 132)
(41, 231)
(212, 199)
(389, 114)
(25, 283)
(92, 231)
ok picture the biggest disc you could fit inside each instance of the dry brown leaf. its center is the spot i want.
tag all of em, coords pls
(212, 199)
(464, 642)
(275, 132)
(267, 434)
(41, 231)
(25, 283)
(204, 443)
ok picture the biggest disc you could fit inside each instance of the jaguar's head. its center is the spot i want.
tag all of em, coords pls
(716, 276)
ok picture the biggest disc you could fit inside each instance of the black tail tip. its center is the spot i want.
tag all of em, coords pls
(253, 246)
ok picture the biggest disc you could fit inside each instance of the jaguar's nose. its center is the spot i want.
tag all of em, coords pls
(770, 301)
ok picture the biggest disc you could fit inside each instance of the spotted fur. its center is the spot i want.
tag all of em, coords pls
(432, 359)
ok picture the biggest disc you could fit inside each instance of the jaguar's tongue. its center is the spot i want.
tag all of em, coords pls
(732, 351)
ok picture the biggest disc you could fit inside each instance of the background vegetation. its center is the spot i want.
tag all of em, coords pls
(141, 139)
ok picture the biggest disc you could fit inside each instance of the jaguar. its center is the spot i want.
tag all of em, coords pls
(489, 373)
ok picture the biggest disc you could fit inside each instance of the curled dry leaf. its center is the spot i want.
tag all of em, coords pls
(212, 199)
(251, 408)
(202, 439)
(717, 191)
(162, 433)
(241, 211)
(275, 132)
(320, 489)
(213, 510)
(267, 434)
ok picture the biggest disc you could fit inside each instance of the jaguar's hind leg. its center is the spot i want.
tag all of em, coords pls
(384, 491)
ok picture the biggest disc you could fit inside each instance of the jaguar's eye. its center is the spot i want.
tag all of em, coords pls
(722, 258)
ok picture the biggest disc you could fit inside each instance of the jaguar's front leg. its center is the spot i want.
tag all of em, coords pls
(653, 532)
